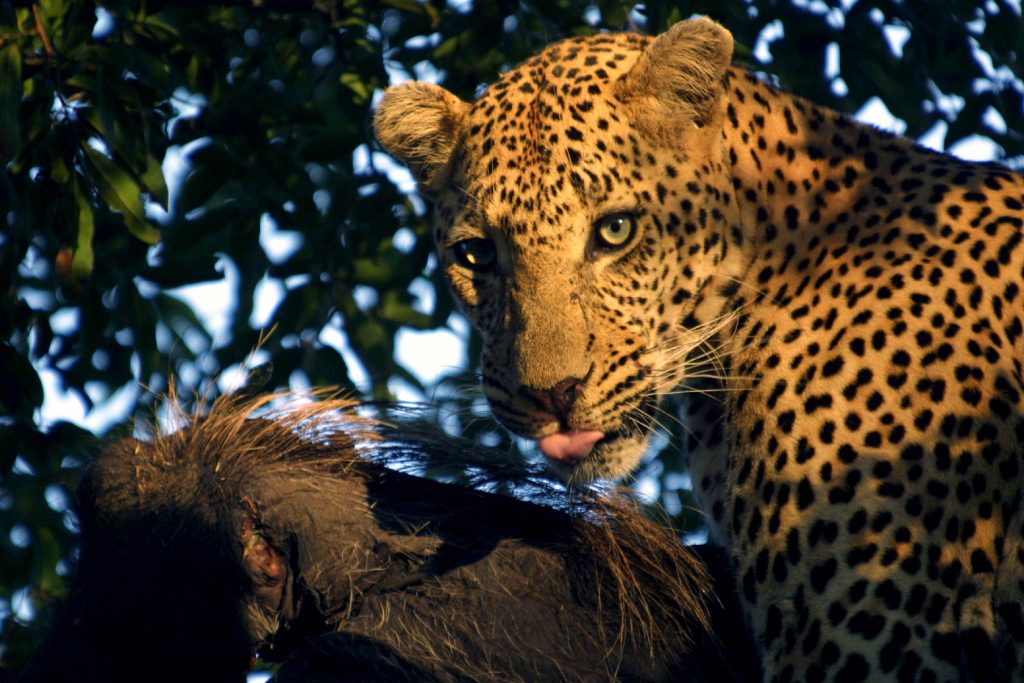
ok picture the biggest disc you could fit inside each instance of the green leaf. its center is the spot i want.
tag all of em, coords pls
(81, 265)
(162, 25)
(446, 48)
(54, 9)
(354, 83)
(395, 307)
(10, 101)
(417, 7)
(53, 14)
(153, 180)
(49, 554)
(122, 192)
(59, 172)
(370, 333)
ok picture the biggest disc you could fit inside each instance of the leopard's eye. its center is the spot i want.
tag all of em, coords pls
(614, 231)
(476, 253)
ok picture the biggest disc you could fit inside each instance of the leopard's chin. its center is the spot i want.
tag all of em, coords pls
(619, 453)
(614, 457)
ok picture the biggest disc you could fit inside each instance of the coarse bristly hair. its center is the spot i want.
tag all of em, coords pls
(657, 588)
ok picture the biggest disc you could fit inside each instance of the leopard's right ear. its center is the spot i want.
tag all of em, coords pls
(421, 124)
(678, 81)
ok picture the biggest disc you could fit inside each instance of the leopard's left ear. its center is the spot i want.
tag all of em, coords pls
(421, 125)
(678, 80)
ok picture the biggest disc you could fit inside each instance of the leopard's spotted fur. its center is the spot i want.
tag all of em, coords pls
(852, 302)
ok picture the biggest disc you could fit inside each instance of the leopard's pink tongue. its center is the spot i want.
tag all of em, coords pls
(570, 446)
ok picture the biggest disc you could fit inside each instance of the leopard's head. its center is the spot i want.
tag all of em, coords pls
(585, 223)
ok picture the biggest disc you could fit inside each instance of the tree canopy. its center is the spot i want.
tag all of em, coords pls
(269, 104)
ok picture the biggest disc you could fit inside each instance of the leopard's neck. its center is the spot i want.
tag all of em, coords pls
(801, 170)
(809, 180)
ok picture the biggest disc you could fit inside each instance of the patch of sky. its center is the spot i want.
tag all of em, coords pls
(175, 168)
(57, 498)
(426, 72)
(876, 113)
(835, 18)
(38, 299)
(60, 404)
(400, 176)
(235, 376)
(361, 160)
(424, 41)
(147, 290)
(947, 105)
(404, 240)
(366, 297)
(460, 6)
(771, 32)
(105, 24)
(404, 391)
(674, 481)
(975, 148)
(322, 198)
(998, 78)
(647, 484)
(318, 175)
(20, 536)
(267, 296)
(333, 336)
(373, 32)
(233, 64)
(323, 57)
(896, 37)
(390, 24)
(832, 70)
(813, 6)
(212, 301)
(431, 354)
(994, 121)
(309, 39)
(22, 605)
(279, 245)
(97, 144)
(832, 60)
(976, 25)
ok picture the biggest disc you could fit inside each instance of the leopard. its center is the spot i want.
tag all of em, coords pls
(640, 230)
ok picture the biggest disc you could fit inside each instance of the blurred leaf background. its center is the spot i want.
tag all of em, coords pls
(150, 146)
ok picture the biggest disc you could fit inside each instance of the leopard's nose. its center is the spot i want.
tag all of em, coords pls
(557, 400)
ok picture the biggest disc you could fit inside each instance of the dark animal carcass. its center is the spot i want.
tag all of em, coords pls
(286, 536)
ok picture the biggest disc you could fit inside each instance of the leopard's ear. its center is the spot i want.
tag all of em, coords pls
(421, 124)
(679, 77)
